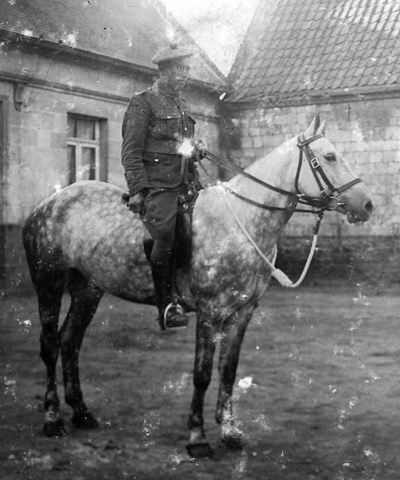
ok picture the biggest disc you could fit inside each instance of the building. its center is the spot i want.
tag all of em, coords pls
(343, 59)
(66, 77)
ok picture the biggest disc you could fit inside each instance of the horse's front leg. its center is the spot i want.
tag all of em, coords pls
(232, 337)
(205, 348)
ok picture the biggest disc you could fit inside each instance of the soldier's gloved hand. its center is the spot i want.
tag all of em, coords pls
(199, 149)
(135, 203)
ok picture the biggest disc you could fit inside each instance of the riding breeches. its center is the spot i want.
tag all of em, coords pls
(167, 217)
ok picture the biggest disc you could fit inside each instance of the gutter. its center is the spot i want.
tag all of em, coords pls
(48, 48)
(356, 94)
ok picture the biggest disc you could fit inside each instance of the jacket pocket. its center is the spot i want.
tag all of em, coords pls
(154, 159)
(166, 126)
(163, 170)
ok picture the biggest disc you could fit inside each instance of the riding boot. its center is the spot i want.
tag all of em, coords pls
(183, 254)
(171, 314)
(184, 241)
(148, 247)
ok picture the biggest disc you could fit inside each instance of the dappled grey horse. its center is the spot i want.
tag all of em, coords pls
(84, 239)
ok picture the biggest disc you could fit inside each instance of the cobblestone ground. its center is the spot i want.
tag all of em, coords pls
(319, 396)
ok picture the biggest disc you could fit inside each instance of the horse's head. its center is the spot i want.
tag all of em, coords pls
(325, 179)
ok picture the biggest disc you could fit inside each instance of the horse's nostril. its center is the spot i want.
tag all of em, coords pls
(369, 207)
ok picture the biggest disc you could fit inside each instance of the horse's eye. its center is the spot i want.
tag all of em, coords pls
(331, 157)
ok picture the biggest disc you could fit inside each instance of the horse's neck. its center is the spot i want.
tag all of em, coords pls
(278, 169)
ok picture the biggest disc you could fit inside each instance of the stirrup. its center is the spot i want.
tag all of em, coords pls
(179, 310)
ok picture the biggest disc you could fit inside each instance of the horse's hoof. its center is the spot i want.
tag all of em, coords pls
(196, 450)
(85, 421)
(54, 429)
(235, 441)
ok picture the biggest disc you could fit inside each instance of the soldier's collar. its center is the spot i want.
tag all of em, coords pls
(158, 87)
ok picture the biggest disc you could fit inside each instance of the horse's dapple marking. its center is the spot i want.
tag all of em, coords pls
(108, 232)
(85, 240)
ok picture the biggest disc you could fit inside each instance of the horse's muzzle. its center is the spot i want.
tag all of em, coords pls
(360, 215)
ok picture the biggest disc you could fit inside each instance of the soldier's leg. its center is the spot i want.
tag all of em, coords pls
(160, 220)
(148, 243)
(183, 250)
(161, 267)
(184, 240)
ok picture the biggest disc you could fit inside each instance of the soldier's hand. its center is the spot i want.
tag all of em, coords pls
(135, 203)
(199, 149)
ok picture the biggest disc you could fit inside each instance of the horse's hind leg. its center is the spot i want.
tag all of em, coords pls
(85, 297)
(49, 297)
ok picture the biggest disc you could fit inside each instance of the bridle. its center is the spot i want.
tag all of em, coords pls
(329, 193)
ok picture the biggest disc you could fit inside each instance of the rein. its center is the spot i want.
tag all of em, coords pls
(279, 276)
(327, 201)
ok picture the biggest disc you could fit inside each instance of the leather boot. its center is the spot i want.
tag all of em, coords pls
(171, 314)
(183, 254)
(148, 244)
(183, 244)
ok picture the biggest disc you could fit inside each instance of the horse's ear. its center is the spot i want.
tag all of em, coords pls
(317, 119)
(322, 127)
(315, 126)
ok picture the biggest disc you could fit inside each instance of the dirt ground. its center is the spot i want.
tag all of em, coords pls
(317, 392)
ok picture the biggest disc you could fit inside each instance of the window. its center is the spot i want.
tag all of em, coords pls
(86, 155)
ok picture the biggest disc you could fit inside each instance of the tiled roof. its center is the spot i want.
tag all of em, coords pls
(305, 48)
(128, 30)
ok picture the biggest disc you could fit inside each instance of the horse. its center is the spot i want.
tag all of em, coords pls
(84, 240)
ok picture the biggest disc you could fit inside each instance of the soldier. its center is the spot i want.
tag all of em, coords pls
(163, 184)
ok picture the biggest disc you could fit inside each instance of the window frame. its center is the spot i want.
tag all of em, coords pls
(99, 145)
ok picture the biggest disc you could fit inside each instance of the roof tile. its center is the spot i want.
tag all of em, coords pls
(348, 45)
(129, 31)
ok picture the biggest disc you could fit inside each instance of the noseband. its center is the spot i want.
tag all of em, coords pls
(328, 199)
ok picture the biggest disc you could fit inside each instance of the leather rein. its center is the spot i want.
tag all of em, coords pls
(329, 193)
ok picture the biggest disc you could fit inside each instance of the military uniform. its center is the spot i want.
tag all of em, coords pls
(154, 126)
(161, 182)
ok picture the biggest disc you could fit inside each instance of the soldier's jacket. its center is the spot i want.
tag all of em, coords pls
(153, 129)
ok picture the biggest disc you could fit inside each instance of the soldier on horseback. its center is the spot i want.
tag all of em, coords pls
(163, 184)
